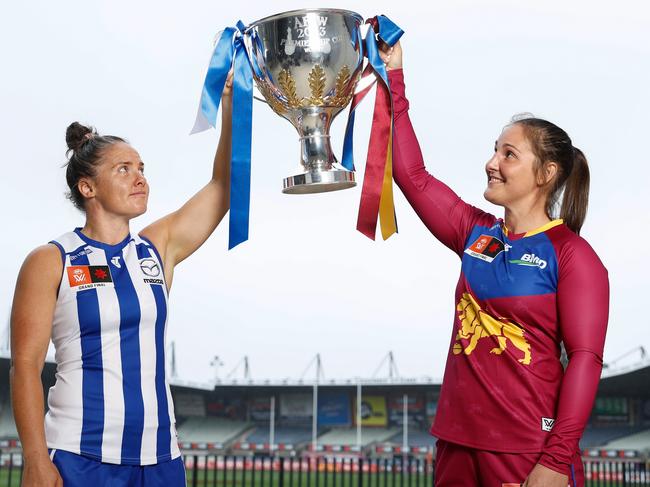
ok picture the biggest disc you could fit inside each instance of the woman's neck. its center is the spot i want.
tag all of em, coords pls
(519, 221)
(110, 231)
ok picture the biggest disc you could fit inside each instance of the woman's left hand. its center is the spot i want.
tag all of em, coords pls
(226, 94)
(542, 476)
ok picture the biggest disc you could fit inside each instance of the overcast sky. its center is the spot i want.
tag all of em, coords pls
(307, 281)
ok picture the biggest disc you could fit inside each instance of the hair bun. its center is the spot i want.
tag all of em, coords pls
(76, 134)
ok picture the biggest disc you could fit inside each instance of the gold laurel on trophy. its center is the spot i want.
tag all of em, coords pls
(340, 99)
(317, 86)
(288, 85)
(317, 80)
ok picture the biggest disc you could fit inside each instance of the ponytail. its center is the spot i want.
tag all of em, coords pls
(576, 193)
(551, 143)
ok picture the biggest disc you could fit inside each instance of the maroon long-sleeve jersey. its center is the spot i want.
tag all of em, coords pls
(518, 297)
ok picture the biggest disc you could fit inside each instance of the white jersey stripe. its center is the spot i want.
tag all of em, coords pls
(113, 398)
(148, 363)
(62, 424)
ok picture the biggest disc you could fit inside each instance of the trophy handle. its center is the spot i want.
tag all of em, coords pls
(257, 94)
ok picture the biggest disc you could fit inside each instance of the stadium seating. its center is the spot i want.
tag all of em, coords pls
(349, 436)
(282, 434)
(211, 429)
(636, 441)
(415, 438)
(602, 435)
(7, 423)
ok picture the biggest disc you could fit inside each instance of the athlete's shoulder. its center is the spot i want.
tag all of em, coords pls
(572, 249)
(43, 263)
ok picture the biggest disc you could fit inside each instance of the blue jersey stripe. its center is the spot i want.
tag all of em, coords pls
(130, 352)
(574, 483)
(163, 434)
(152, 246)
(92, 387)
(163, 442)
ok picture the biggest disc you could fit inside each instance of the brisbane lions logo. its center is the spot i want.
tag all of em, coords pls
(476, 324)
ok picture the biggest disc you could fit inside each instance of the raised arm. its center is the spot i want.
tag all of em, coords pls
(179, 234)
(447, 216)
(31, 327)
(583, 307)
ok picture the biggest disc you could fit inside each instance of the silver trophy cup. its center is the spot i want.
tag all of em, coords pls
(306, 63)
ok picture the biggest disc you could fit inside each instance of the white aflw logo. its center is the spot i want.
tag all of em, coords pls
(116, 261)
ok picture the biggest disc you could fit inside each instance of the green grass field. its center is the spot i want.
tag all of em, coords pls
(240, 479)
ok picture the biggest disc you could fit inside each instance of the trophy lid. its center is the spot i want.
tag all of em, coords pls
(296, 13)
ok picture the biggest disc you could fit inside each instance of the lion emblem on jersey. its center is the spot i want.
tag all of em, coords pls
(476, 324)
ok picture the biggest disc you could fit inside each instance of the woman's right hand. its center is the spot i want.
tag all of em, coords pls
(392, 56)
(41, 472)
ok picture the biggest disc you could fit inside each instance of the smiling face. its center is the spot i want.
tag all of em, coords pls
(511, 172)
(119, 186)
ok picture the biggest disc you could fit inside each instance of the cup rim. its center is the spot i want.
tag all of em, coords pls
(293, 13)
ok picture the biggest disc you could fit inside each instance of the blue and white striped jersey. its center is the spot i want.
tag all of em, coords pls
(111, 400)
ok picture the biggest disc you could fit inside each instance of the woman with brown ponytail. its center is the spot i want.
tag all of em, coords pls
(100, 293)
(508, 414)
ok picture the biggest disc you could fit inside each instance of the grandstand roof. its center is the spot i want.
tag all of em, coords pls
(624, 381)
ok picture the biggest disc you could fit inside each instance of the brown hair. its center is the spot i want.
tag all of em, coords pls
(552, 144)
(84, 152)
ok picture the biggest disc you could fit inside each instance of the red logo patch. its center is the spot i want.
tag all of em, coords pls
(486, 248)
(79, 275)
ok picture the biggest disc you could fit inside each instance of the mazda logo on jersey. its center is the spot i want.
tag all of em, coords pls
(150, 267)
(486, 248)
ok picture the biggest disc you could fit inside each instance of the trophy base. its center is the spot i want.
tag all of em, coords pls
(319, 182)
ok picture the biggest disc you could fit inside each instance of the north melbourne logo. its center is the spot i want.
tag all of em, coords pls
(530, 260)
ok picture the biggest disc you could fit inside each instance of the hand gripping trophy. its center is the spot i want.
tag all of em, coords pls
(306, 64)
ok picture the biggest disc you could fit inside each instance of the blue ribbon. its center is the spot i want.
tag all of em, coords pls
(390, 33)
(230, 49)
(240, 169)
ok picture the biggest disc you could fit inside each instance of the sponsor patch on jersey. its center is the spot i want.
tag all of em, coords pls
(89, 276)
(486, 248)
(547, 424)
(151, 270)
(530, 260)
(82, 252)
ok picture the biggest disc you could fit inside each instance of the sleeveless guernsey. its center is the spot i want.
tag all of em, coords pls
(111, 400)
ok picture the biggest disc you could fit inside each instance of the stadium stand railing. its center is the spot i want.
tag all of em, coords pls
(210, 432)
(348, 436)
